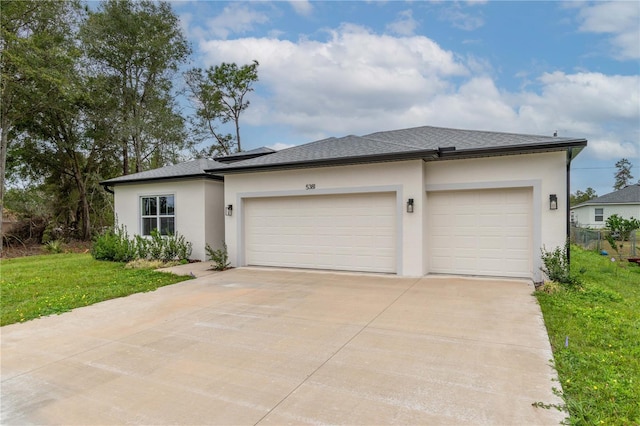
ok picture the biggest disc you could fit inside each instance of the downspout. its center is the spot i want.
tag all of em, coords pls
(109, 190)
(568, 212)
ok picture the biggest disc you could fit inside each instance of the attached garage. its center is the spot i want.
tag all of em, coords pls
(348, 232)
(481, 232)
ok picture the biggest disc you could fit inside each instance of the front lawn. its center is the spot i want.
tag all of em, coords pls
(35, 286)
(595, 336)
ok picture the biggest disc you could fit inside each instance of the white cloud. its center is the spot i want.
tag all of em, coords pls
(404, 24)
(235, 19)
(353, 77)
(302, 7)
(620, 19)
(279, 146)
(607, 149)
(356, 82)
(461, 19)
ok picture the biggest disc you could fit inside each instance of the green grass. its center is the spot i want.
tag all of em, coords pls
(600, 369)
(35, 286)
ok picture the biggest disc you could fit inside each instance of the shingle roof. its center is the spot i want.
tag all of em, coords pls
(257, 151)
(244, 155)
(628, 195)
(191, 168)
(417, 142)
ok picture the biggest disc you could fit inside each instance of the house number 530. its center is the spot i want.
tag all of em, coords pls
(311, 186)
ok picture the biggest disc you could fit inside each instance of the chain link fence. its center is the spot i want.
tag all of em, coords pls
(596, 239)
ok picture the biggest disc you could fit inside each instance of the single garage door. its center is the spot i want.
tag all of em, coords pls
(354, 232)
(481, 232)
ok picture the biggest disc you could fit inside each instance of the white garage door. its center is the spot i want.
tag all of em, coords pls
(481, 232)
(354, 232)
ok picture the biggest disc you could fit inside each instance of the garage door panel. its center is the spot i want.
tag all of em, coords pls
(480, 232)
(343, 232)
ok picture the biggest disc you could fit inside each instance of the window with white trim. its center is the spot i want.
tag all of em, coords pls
(158, 212)
(599, 214)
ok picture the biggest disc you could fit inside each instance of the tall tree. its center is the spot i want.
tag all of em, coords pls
(623, 174)
(219, 95)
(581, 197)
(55, 144)
(31, 35)
(137, 47)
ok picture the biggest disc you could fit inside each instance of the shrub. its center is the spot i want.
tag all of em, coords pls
(178, 247)
(114, 245)
(155, 245)
(219, 257)
(556, 266)
(622, 227)
(54, 246)
(142, 247)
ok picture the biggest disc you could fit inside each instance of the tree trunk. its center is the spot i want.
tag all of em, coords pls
(84, 205)
(125, 158)
(4, 143)
(238, 134)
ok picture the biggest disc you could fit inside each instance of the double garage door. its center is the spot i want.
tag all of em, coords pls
(350, 232)
(478, 232)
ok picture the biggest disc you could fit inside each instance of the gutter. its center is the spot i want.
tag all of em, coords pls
(568, 209)
(106, 188)
(342, 161)
(153, 179)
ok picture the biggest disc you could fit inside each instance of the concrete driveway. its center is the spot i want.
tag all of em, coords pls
(255, 346)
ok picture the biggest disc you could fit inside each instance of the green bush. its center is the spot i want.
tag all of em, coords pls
(177, 248)
(54, 247)
(556, 266)
(142, 247)
(622, 227)
(115, 245)
(155, 245)
(219, 257)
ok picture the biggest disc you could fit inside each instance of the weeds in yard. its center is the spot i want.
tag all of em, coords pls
(594, 332)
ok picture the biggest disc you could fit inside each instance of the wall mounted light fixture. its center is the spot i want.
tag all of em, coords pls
(553, 202)
(410, 205)
(228, 210)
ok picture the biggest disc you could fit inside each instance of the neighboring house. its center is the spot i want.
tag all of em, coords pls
(408, 202)
(594, 213)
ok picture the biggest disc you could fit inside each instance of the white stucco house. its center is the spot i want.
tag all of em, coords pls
(594, 213)
(408, 202)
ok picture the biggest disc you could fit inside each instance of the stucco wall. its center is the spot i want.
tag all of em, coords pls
(405, 178)
(544, 173)
(197, 202)
(585, 216)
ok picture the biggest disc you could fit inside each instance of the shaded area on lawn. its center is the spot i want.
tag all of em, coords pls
(594, 333)
(35, 286)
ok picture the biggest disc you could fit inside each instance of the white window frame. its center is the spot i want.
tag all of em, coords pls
(599, 217)
(156, 218)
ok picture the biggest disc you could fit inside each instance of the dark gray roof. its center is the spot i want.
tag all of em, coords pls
(261, 150)
(244, 155)
(191, 168)
(419, 142)
(628, 195)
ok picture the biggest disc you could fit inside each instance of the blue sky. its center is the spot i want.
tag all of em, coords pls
(335, 68)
